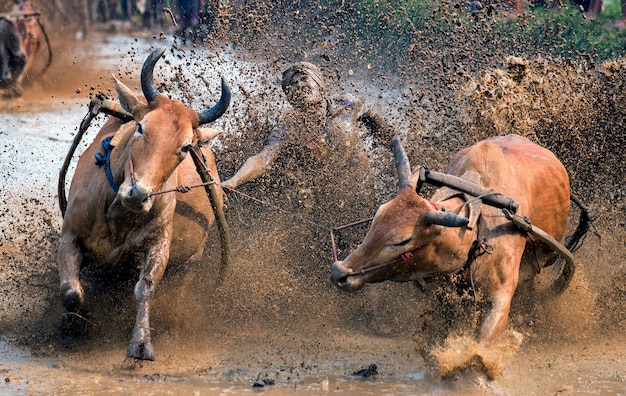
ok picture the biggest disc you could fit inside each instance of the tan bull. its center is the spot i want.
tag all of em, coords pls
(32, 36)
(115, 213)
(408, 240)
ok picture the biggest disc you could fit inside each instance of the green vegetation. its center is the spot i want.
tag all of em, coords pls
(564, 32)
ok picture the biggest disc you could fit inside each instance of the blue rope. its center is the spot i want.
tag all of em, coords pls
(105, 159)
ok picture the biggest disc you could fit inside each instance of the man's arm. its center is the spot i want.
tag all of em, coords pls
(256, 165)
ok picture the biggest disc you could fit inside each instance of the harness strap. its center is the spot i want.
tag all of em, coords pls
(104, 158)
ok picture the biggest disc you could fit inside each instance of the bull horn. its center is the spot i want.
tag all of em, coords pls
(402, 163)
(215, 112)
(447, 219)
(147, 80)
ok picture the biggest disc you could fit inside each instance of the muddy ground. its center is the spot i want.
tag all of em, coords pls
(276, 316)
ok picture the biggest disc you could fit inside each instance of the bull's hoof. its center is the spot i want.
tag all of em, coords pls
(140, 350)
(74, 322)
(72, 300)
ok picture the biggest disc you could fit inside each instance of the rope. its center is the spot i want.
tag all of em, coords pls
(330, 230)
(84, 125)
(186, 188)
(183, 188)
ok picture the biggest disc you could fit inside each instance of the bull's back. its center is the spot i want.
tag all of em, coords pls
(532, 175)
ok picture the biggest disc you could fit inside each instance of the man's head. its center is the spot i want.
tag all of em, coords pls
(303, 84)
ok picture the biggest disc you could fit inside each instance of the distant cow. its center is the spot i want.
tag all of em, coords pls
(21, 38)
(115, 213)
(12, 58)
(407, 240)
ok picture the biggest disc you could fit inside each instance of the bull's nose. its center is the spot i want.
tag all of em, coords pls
(136, 198)
(137, 195)
(338, 272)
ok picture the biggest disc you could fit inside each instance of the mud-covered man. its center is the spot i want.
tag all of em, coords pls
(321, 160)
(321, 131)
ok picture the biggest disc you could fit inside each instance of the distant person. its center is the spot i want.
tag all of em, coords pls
(596, 7)
(188, 15)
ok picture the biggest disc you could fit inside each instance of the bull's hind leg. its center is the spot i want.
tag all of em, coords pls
(140, 346)
(69, 259)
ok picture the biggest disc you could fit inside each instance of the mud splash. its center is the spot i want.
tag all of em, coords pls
(463, 353)
(276, 317)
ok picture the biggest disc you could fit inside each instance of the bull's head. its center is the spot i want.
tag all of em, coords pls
(402, 239)
(163, 134)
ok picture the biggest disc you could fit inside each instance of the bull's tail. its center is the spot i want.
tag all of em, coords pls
(573, 243)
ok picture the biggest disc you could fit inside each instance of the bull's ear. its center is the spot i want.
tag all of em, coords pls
(205, 135)
(128, 100)
(415, 176)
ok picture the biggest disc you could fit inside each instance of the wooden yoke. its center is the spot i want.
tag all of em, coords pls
(218, 209)
(488, 196)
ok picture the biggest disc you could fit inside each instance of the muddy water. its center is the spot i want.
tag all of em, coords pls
(275, 318)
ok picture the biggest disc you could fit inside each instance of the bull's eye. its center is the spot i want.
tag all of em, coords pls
(139, 130)
(403, 243)
(186, 148)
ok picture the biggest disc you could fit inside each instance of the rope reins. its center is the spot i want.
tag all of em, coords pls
(331, 230)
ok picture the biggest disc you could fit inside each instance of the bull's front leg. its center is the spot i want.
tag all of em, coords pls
(69, 260)
(501, 289)
(140, 346)
(497, 317)
(28, 66)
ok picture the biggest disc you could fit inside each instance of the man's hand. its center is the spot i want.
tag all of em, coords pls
(228, 185)
(380, 129)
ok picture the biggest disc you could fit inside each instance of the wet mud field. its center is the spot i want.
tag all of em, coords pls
(276, 321)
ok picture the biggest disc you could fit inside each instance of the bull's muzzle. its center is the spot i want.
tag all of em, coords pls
(136, 197)
(344, 278)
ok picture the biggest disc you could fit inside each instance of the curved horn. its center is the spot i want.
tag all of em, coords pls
(215, 112)
(402, 163)
(447, 219)
(147, 80)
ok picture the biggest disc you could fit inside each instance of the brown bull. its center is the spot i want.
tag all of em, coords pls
(409, 241)
(115, 213)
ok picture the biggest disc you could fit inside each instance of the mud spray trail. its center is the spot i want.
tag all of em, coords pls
(276, 317)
